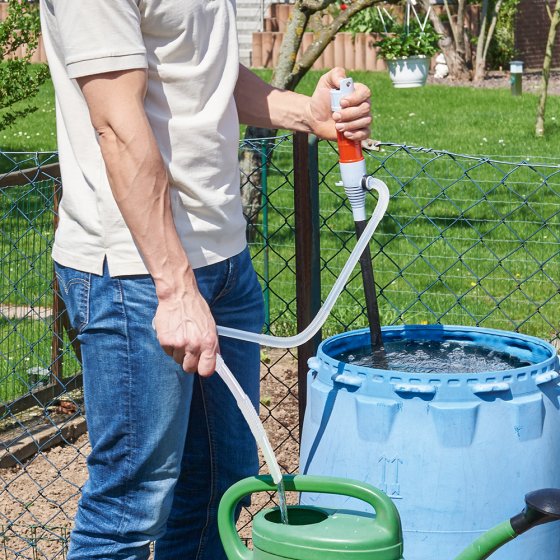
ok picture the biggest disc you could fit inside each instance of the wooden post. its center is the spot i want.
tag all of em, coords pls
(308, 283)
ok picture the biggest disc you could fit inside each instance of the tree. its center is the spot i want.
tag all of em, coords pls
(286, 75)
(554, 21)
(19, 79)
(455, 43)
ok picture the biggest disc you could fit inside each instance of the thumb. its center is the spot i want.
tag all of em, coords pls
(333, 78)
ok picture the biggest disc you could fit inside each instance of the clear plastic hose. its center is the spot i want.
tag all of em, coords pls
(299, 339)
(252, 418)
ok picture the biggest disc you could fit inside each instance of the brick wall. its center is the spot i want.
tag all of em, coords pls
(531, 30)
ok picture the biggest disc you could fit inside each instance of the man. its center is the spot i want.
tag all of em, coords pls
(149, 98)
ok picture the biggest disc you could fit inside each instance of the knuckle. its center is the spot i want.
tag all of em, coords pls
(209, 340)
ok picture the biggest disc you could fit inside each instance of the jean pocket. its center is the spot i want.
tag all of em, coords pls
(73, 287)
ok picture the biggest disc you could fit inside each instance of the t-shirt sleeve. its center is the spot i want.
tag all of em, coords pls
(100, 36)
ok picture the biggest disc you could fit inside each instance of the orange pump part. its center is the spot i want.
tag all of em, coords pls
(349, 151)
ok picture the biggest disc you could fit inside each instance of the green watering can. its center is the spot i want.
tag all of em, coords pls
(315, 533)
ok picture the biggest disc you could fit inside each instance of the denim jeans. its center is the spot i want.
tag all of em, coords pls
(151, 478)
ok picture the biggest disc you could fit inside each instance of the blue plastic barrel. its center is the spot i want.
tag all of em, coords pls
(456, 452)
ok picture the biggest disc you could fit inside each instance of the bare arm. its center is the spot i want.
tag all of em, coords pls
(260, 104)
(139, 182)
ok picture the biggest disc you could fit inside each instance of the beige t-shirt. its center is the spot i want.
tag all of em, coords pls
(190, 50)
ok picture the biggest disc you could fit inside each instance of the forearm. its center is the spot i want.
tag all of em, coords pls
(137, 176)
(140, 186)
(260, 104)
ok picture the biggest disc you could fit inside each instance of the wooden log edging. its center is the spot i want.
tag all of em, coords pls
(30, 175)
(46, 437)
(353, 51)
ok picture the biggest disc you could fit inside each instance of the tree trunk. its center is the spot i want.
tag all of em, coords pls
(455, 59)
(487, 27)
(555, 20)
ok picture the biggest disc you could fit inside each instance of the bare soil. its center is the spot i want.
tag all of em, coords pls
(39, 497)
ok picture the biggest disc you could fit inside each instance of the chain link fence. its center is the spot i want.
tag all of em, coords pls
(466, 240)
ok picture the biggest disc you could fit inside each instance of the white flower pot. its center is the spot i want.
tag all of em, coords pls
(409, 72)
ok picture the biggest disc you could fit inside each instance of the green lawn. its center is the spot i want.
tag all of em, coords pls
(36, 132)
(458, 119)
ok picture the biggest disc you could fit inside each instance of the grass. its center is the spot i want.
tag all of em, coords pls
(457, 250)
(36, 132)
(465, 120)
(465, 240)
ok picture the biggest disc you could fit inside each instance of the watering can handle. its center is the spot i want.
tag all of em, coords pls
(386, 512)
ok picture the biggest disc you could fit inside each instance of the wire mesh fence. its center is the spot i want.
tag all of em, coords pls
(467, 240)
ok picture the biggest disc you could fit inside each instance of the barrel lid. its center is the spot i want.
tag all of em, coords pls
(324, 534)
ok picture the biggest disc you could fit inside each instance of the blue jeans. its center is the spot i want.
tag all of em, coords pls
(151, 478)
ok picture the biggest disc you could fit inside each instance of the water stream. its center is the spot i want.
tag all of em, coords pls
(282, 503)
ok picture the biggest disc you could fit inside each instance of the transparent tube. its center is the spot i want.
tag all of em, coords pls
(321, 317)
(252, 418)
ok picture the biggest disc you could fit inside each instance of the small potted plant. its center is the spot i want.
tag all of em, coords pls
(408, 51)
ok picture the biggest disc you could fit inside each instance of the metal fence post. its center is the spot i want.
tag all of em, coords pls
(308, 267)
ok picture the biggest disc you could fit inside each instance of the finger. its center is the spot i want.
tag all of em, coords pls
(361, 94)
(358, 130)
(358, 135)
(332, 78)
(207, 364)
(178, 355)
(354, 125)
(356, 111)
(190, 362)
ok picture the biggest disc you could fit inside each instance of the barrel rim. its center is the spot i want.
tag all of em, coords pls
(547, 364)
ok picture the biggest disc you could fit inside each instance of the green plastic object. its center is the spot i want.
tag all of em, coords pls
(313, 533)
(488, 542)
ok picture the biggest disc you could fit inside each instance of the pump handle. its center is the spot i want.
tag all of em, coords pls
(349, 151)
